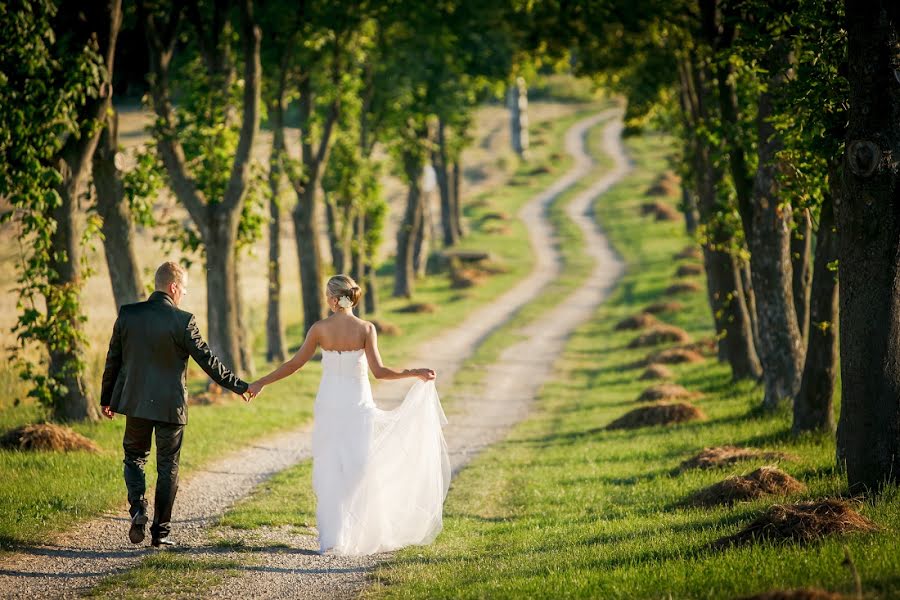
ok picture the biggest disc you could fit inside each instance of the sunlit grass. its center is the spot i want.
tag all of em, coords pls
(43, 493)
(565, 509)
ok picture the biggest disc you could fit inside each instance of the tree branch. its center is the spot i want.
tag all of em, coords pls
(240, 170)
(160, 49)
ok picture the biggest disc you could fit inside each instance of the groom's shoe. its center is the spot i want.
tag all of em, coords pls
(138, 522)
(163, 542)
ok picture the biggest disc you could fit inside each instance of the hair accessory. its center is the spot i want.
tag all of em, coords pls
(345, 302)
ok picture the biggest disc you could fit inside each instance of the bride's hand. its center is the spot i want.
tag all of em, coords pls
(425, 374)
(253, 390)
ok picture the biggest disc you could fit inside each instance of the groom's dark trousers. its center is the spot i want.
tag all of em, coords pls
(144, 380)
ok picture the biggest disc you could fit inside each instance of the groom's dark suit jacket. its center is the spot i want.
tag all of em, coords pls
(147, 361)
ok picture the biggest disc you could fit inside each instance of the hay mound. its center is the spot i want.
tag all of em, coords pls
(660, 334)
(802, 523)
(655, 371)
(660, 211)
(675, 356)
(660, 307)
(665, 185)
(418, 307)
(689, 252)
(666, 391)
(682, 287)
(708, 346)
(798, 594)
(720, 456)
(206, 399)
(765, 481)
(689, 269)
(638, 321)
(663, 413)
(46, 436)
(494, 216)
(385, 328)
(461, 279)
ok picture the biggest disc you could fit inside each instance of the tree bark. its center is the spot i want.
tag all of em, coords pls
(406, 234)
(423, 235)
(306, 212)
(217, 222)
(780, 349)
(801, 277)
(245, 337)
(456, 203)
(275, 347)
(73, 163)
(726, 297)
(517, 100)
(117, 227)
(689, 208)
(441, 167)
(813, 404)
(358, 256)
(868, 221)
(339, 257)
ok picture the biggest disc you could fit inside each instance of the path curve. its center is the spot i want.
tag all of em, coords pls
(478, 420)
(96, 549)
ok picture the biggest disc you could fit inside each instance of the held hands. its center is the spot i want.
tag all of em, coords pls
(253, 391)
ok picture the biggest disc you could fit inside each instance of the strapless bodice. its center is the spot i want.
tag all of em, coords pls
(350, 363)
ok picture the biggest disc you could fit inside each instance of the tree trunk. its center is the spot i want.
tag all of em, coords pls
(801, 278)
(440, 164)
(517, 100)
(456, 204)
(749, 299)
(813, 404)
(726, 297)
(780, 349)
(404, 272)
(306, 213)
(100, 26)
(689, 208)
(868, 222)
(245, 336)
(73, 402)
(274, 330)
(371, 289)
(306, 218)
(358, 256)
(117, 227)
(423, 235)
(217, 222)
(339, 257)
(221, 291)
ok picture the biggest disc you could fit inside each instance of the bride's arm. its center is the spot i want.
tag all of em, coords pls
(292, 365)
(382, 372)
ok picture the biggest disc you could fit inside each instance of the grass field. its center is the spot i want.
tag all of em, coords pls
(41, 490)
(564, 508)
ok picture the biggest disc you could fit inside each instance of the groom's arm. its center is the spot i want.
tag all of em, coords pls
(209, 362)
(113, 365)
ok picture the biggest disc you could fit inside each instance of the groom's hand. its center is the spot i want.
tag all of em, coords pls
(108, 413)
(253, 390)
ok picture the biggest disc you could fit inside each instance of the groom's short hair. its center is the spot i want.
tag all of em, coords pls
(169, 272)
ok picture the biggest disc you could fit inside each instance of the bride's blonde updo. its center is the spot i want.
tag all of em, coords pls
(343, 285)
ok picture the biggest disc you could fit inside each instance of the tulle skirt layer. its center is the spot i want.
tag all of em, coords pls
(380, 477)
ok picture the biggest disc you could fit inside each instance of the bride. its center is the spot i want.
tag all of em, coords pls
(380, 477)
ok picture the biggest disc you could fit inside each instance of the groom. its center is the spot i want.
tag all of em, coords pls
(144, 380)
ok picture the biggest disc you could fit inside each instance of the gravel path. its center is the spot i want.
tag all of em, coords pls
(98, 548)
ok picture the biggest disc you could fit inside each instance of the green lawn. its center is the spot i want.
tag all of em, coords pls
(40, 490)
(564, 508)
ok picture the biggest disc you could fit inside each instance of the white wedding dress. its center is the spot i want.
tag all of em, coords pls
(380, 476)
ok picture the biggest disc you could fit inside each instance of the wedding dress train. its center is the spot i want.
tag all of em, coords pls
(380, 476)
